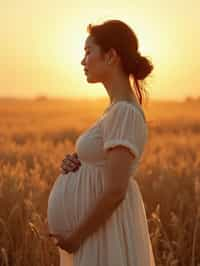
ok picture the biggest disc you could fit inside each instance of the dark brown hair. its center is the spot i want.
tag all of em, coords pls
(118, 35)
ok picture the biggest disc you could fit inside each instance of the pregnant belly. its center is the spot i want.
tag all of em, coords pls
(71, 197)
(55, 210)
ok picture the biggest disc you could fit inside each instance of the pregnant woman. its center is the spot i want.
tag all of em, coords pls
(96, 212)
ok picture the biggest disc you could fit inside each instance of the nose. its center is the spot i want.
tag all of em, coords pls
(83, 61)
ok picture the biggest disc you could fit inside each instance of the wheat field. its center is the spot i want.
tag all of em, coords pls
(37, 134)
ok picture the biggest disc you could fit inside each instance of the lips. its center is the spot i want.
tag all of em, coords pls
(85, 70)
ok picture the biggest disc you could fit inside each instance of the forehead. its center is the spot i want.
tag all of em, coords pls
(90, 43)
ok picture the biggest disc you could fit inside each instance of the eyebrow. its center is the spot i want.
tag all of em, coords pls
(87, 47)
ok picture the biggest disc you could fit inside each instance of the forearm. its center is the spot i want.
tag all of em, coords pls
(103, 210)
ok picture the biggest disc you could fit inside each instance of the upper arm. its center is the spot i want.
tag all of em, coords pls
(124, 135)
(118, 170)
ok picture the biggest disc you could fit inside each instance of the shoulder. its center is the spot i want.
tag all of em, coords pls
(126, 109)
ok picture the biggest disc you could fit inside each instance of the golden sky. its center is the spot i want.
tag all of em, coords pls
(42, 41)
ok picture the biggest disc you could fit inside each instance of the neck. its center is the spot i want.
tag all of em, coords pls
(119, 88)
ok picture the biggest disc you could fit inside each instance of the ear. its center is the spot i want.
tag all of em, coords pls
(112, 56)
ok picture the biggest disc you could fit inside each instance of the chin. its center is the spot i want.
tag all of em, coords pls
(90, 80)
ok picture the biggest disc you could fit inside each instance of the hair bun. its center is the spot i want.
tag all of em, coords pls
(143, 67)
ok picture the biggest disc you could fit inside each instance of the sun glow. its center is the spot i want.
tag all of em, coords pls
(69, 43)
(46, 46)
(69, 47)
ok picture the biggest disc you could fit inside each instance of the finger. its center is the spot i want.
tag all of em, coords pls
(64, 172)
(53, 235)
(68, 168)
(68, 157)
(70, 164)
(64, 163)
(65, 160)
(72, 159)
(56, 241)
(75, 164)
(59, 242)
(76, 161)
(74, 154)
(65, 166)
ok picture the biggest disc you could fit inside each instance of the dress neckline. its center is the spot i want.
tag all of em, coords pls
(128, 102)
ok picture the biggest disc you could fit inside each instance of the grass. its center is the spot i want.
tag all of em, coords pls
(35, 136)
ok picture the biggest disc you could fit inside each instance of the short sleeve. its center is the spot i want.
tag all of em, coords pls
(124, 125)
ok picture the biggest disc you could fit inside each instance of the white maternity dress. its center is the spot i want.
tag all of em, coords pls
(124, 240)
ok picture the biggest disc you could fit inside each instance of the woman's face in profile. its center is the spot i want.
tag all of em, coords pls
(94, 62)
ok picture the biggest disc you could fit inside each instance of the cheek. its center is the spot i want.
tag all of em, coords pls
(96, 68)
(96, 65)
(92, 60)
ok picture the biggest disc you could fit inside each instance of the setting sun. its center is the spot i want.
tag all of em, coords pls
(43, 52)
